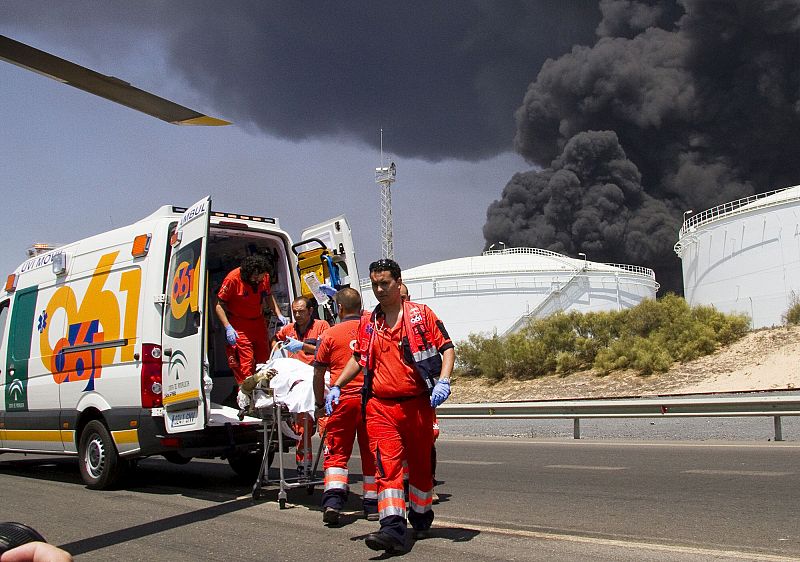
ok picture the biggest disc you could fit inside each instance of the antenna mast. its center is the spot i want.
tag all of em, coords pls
(385, 177)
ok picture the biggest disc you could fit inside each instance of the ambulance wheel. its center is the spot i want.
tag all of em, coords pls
(176, 458)
(99, 461)
(246, 465)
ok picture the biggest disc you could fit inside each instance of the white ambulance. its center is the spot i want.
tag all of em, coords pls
(109, 348)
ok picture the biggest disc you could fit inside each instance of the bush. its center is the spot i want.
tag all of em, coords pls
(792, 316)
(649, 338)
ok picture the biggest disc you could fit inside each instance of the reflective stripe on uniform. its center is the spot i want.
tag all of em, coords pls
(391, 502)
(370, 488)
(418, 500)
(425, 354)
(335, 478)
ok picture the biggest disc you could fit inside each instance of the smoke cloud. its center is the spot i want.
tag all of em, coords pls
(628, 111)
(675, 107)
(441, 78)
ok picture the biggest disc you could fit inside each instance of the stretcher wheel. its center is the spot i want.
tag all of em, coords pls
(282, 504)
(256, 493)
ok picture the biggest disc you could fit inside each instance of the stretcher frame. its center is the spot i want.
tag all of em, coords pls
(271, 417)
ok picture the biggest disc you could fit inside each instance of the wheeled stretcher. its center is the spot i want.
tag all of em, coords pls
(279, 391)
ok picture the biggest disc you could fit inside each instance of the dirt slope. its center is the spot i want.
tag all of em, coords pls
(763, 360)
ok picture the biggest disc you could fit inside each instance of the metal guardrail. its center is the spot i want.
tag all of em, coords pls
(660, 407)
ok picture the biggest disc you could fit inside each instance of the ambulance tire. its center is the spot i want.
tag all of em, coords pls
(246, 465)
(176, 458)
(98, 459)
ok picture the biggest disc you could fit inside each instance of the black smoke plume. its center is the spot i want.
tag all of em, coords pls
(675, 107)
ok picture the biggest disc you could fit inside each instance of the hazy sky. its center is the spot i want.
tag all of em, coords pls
(75, 164)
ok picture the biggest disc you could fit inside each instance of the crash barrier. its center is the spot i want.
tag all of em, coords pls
(658, 407)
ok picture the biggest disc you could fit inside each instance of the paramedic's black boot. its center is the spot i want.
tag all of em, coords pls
(330, 516)
(382, 541)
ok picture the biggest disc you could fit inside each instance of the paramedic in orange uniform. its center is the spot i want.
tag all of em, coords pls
(334, 352)
(300, 339)
(239, 309)
(405, 296)
(408, 358)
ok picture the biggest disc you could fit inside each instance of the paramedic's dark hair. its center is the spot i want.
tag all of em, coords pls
(385, 264)
(307, 301)
(349, 299)
(253, 265)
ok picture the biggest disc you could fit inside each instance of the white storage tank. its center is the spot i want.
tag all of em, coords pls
(744, 256)
(501, 289)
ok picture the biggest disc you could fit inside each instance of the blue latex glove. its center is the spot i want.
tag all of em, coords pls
(231, 335)
(331, 399)
(293, 345)
(283, 320)
(440, 393)
(328, 290)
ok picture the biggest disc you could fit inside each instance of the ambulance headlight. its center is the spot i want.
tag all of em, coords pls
(156, 388)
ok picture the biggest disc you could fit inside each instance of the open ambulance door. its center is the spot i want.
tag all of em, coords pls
(336, 264)
(184, 338)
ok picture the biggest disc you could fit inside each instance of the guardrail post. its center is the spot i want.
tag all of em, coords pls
(576, 428)
(778, 431)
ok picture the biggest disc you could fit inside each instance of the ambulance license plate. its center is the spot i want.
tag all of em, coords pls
(182, 417)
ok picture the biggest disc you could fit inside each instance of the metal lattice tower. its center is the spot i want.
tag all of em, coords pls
(385, 176)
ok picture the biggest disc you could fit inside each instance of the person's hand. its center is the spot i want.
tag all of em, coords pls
(283, 320)
(332, 399)
(293, 345)
(440, 393)
(230, 335)
(36, 552)
(327, 290)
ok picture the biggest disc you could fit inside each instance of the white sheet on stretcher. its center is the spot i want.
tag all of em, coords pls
(293, 386)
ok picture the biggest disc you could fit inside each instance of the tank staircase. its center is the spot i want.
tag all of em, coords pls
(558, 299)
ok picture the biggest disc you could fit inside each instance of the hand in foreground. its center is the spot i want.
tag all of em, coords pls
(230, 335)
(440, 393)
(36, 552)
(283, 320)
(293, 345)
(332, 398)
(327, 290)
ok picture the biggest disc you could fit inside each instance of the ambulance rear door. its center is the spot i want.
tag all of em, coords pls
(184, 327)
(336, 236)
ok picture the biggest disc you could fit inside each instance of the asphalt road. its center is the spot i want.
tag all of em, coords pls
(502, 499)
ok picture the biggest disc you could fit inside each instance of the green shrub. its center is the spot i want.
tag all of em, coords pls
(649, 338)
(792, 316)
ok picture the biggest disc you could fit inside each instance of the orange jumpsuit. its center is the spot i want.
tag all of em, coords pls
(334, 350)
(399, 415)
(243, 309)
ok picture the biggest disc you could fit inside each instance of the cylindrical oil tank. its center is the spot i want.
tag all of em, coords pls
(744, 256)
(498, 291)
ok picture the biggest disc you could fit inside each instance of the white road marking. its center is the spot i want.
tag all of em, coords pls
(447, 461)
(707, 553)
(585, 467)
(737, 472)
(586, 442)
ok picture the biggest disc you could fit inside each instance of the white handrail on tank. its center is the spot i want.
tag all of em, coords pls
(536, 251)
(744, 205)
(634, 269)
